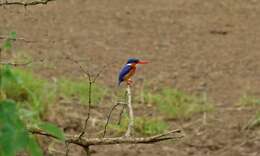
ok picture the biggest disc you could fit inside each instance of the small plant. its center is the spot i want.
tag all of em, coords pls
(248, 100)
(254, 102)
(143, 126)
(176, 104)
(29, 91)
(255, 122)
(7, 45)
(14, 136)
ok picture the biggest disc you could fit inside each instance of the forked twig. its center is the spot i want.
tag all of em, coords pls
(92, 80)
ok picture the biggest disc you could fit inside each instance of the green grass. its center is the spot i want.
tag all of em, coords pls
(80, 90)
(255, 122)
(143, 126)
(248, 100)
(176, 104)
(34, 94)
(254, 102)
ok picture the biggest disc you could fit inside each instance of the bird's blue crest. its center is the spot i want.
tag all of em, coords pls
(133, 60)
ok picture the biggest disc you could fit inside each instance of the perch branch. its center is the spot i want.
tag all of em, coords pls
(86, 142)
(25, 3)
(130, 111)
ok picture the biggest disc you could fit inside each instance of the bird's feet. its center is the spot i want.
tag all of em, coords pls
(129, 82)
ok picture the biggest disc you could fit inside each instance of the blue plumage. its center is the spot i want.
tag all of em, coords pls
(124, 71)
(129, 70)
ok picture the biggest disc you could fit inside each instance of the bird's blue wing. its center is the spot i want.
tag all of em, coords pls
(124, 71)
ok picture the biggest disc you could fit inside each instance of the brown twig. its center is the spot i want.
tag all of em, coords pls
(122, 110)
(25, 3)
(87, 142)
(92, 80)
(109, 116)
(16, 64)
(15, 39)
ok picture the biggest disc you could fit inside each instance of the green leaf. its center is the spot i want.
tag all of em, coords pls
(14, 136)
(34, 148)
(53, 130)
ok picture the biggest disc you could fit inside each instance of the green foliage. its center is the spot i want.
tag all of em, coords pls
(142, 126)
(254, 102)
(29, 91)
(35, 94)
(52, 129)
(80, 90)
(14, 136)
(178, 105)
(7, 45)
(247, 100)
(150, 126)
(255, 122)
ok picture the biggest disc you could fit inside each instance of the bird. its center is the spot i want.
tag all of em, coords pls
(128, 70)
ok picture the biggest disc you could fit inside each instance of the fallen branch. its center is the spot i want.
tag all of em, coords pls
(16, 39)
(86, 142)
(25, 3)
(16, 64)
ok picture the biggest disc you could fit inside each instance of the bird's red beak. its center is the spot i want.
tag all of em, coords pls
(142, 62)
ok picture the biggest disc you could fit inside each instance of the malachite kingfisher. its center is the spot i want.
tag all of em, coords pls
(129, 70)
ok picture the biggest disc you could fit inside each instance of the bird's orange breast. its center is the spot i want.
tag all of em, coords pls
(130, 74)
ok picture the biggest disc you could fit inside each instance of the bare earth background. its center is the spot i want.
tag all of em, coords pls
(189, 44)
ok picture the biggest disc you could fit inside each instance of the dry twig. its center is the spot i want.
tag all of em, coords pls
(16, 64)
(91, 80)
(109, 116)
(87, 142)
(16, 39)
(24, 3)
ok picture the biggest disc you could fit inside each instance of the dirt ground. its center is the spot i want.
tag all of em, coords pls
(190, 44)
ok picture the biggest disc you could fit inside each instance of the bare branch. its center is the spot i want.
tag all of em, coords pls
(91, 82)
(86, 142)
(122, 110)
(67, 148)
(87, 150)
(25, 3)
(16, 39)
(80, 66)
(109, 116)
(16, 64)
(89, 106)
(98, 74)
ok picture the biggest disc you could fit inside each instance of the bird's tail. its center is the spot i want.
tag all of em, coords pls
(119, 82)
